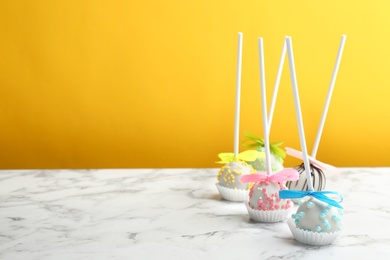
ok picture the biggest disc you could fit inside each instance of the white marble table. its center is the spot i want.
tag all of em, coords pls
(172, 214)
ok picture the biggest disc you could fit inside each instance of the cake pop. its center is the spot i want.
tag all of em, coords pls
(317, 220)
(229, 175)
(229, 185)
(277, 154)
(317, 216)
(317, 176)
(264, 204)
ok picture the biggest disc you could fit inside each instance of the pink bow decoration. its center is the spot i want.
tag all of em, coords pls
(321, 165)
(281, 176)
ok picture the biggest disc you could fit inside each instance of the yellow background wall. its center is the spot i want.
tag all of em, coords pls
(90, 84)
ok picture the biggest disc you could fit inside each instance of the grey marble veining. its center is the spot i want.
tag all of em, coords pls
(172, 214)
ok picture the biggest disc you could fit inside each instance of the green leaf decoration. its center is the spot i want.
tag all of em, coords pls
(255, 141)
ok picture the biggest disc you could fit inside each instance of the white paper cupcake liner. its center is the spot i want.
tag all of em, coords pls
(231, 194)
(270, 216)
(310, 237)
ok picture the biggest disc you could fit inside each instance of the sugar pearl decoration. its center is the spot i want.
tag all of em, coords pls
(264, 195)
(317, 216)
(230, 173)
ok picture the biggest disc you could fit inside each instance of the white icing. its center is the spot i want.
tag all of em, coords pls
(260, 165)
(317, 216)
(264, 195)
(230, 173)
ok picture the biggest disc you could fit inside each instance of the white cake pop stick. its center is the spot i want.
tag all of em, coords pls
(276, 86)
(327, 102)
(238, 94)
(264, 109)
(298, 112)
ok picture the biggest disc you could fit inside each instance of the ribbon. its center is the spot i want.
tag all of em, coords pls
(248, 156)
(320, 195)
(281, 176)
(323, 166)
(259, 142)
